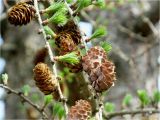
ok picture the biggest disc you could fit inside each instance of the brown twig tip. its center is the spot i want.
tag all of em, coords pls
(80, 111)
(44, 78)
(131, 112)
(45, 22)
(42, 12)
(87, 40)
(55, 58)
(39, 31)
(95, 60)
(48, 37)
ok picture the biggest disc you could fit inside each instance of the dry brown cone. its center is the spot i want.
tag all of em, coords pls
(80, 111)
(40, 55)
(72, 29)
(65, 43)
(44, 78)
(21, 13)
(101, 71)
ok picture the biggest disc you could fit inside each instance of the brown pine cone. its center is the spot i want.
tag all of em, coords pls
(44, 78)
(80, 111)
(65, 43)
(21, 13)
(101, 71)
(40, 55)
(71, 29)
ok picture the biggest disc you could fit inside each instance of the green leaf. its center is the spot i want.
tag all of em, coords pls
(156, 96)
(66, 70)
(52, 43)
(100, 3)
(61, 112)
(49, 31)
(61, 74)
(127, 100)
(5, 78)
(143, 97)
(71, 58)
(26, 89)
(58, 110)
(106, 46)
(58, 18)
(55, 7)
(83, 3)
(109, 107)
(69, 1)
(48, 99)
(98, 33)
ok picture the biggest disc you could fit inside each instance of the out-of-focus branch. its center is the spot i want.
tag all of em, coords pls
(146, 50)
(19, 94)
(131, 112)
(131, 33)
(87, 17)
(150, 24)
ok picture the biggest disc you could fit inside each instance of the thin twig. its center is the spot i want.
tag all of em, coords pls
(148, 48)
(19, 94)
(51, 55)
(131, 112)
(150, 24)
(88, 18)
(132, 34)
(146, 19)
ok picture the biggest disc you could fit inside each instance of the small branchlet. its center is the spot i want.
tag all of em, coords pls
(82, 4)
(99, 3)
(143, 97)
(54, 8)
(106, 46)
(58, 18)
(5, 78)
(49, 31)
(71, 58)
(98, 33)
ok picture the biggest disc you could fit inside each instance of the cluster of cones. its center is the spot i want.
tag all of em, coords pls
(100, 70)
(67, 40)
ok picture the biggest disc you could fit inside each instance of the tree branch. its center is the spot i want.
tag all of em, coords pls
(132, 112)
(19, 94)
(51, 55)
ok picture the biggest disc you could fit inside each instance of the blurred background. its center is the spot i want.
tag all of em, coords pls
(132, 30)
